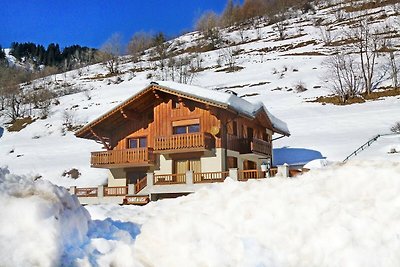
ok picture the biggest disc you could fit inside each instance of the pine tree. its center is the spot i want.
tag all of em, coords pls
(2, 54)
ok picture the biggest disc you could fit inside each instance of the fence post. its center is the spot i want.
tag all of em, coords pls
(283, 170)
(72, 190)
(233, 173)
(131, 189)
(189, 177)
(100, 191)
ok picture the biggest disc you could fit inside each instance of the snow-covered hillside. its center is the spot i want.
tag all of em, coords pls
(271, 69)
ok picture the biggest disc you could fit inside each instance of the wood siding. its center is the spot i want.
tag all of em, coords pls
(162, 120)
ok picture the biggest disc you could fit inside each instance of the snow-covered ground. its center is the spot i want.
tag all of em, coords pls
(336, 216)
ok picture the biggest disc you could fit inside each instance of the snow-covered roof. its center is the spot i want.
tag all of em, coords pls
(212, 97)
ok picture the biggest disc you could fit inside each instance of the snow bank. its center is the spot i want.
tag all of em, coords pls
(43, 225)
(39, 222)
(339, 216)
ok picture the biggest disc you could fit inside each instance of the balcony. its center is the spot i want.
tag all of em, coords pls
(246, 146)
(134, 157)
(259, 146)
(183, 143)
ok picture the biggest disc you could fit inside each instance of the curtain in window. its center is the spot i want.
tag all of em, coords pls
(195, 165)
(181, 166)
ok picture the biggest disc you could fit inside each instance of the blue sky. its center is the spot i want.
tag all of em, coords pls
(90, 22)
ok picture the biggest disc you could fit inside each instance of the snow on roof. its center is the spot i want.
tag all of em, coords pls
(238, 104)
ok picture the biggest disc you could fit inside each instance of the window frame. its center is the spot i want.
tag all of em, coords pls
(138, 140)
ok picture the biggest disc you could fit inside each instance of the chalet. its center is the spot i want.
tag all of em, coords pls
(170, 139)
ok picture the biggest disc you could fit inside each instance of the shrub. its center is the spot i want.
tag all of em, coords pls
(300, 87)
(396, 127)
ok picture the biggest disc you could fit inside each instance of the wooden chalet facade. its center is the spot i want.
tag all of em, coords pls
(169, 137)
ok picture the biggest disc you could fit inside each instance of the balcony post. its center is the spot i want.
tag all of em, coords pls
(233, 173)
(72, 190)
(131, 189)
(150, 179)
(189, 177)
(100, 191)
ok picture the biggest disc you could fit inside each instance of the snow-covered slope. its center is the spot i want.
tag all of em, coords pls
(271, 69)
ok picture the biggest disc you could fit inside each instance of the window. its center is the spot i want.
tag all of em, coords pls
(249, 165)
(194, 128)
(137, 142)
(232, 162)
(186, 126)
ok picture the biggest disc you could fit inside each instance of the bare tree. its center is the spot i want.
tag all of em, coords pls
(110, 52)
(139, 42)
(344, 77)
(15, 102)
(326, 35)
(208, 24)
(394, 67)
(367, 45)
(229, 57)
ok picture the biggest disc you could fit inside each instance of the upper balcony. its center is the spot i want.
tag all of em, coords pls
(249, 146)
(133, 157)
(183, 143)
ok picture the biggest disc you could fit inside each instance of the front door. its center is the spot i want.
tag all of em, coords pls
(183, 165)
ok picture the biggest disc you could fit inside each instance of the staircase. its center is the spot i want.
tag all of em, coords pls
(366, 145)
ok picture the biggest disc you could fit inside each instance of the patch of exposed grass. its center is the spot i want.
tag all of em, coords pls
(369, 5)
(230, 69)
(19, 124)
(314, 53)
(376, 95)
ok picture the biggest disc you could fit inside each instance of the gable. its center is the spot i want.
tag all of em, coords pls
(135, 106)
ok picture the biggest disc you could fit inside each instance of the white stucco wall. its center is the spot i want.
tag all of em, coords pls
(165, 166)
(116, 177)
(213, 161)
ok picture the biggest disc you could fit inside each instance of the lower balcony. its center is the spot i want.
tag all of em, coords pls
(249, 146)
(134, 157)
(183, 143)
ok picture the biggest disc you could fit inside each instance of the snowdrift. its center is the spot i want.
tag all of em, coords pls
(43, 225)
(38, 222)
(340, 216)
(337, 216)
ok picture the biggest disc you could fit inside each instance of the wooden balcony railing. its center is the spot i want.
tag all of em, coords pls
(141, 183)
(233, 142)
(183, 142)
(209, 177)
(134, 156)
(162, 179)
(86, 192)
(115, 191)
(245, 146)
(260, 146)
(245, 175)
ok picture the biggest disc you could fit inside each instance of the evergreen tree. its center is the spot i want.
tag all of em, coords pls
(2, 54)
